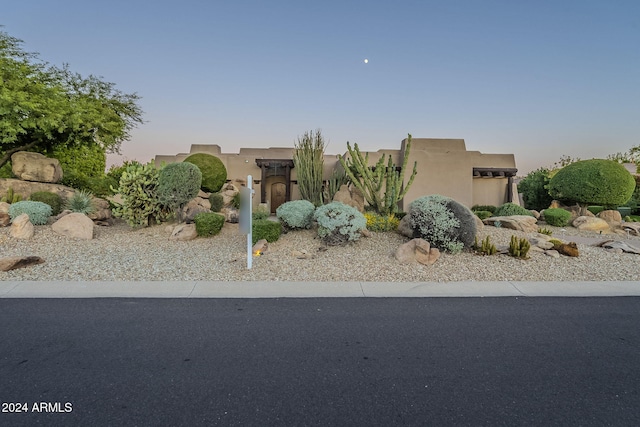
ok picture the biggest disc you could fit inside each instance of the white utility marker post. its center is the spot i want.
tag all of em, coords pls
(246, 217)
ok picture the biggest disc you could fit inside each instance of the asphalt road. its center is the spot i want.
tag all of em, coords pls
(335, 362)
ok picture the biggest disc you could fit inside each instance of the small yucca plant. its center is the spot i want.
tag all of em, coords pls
(81, 202)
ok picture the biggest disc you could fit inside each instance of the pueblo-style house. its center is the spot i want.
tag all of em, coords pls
(445, 167)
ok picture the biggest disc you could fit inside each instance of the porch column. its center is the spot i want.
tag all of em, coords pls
(287, 179)
(263, 183)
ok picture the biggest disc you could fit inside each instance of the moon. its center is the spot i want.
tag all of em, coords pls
(366, 61)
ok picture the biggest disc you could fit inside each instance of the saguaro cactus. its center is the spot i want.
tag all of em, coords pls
(381, 185)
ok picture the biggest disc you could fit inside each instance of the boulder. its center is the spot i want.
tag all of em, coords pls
(260, 247)
(612, 217)
(36, 167)
(525, 223)
(535, 213)
(194, 207)
(21, 228)
(552, 253)
(203, 194)
(183, 232)
(231, 215)
(365, 233)
(588, 223)
(620, 246)
(4, 207)
(228, 192)
(568, 249)
(26, 188)
(350, 196)
(75, 225)
(103, 210)
(5, 219)
(632, 227)
(417, 251)
(404, 227)
(11, 263)
(540, 243)
(479, 223)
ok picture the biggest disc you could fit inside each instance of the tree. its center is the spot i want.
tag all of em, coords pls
(534, 189)
(593, 182)
(44, 107)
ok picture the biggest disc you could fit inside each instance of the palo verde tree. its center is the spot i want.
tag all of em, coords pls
(44, 107)
(381, 185)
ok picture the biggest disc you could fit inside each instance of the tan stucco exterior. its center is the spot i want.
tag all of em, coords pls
(445, 167)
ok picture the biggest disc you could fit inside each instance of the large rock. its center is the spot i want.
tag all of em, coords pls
(36, 167)
(5, 219)
(26, 188)
(525, 223)
(194, 207)
(11, 263)
(21, 228)
(588, 223)
(417, 251)
(228, 192)
(622, 246)
(568, 249)
(4, 207)
(184, 232)
(404, 227)
(102, 212)
(350, 196)
(75, 225)
(612, 217)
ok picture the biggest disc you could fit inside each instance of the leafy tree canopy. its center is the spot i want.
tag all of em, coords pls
(44, 107)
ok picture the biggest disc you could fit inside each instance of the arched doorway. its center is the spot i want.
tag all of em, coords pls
(278, 195)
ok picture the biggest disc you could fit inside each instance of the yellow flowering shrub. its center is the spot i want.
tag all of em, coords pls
(377, 222)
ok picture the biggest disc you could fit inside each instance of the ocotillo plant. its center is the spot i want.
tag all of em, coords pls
(308, 159)
(373, 181)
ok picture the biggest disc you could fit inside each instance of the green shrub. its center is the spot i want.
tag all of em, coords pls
(260, 212)
(634, 201)
(296, 214)
(38, 212)
(217, 202)
(443, 222)
(509, 209)
(178, 183)
(265, 229)
(81, 202)
(138, 189)
(52, 199)
(339, 223)
(214, 173)
(483, 214)
(556, 217)
(6, 172)
(593, 182)
(377, 222)
(534, 189)
(235, 202)
(208, 223)
(487, 208)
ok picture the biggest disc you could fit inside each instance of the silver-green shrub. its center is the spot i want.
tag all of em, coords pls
(339, 223)
(443, 222)
(178, 183)
(38, 212)
(296, 214)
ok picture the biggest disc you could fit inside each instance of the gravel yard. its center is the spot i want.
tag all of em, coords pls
(120, 253)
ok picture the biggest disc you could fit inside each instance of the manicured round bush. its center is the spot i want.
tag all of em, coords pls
(38, 212)
(339, 223)
(534, 189)
(593, 182)
(483, 214)
(178, 183)
(217, 202)
(444, 223)
(214, 173)
(509, 209)
(208, 223)
(296, 214)
(52, 199)
(556, 217)
(265, 229)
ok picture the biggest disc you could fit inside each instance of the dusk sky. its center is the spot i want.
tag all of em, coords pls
(539, 79)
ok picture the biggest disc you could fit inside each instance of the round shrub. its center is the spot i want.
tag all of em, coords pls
(534, 189)
(217, 202)
(593, 182)
(178, 183)
(488, 208)
(483, 214)
(509, 209)
(443, 222)
(38, 212)
(339, 223)
(52, 199)
(296, 214)
(208, 223)
(260, 212)
(556, 217)
(265, 229)
(214, 173)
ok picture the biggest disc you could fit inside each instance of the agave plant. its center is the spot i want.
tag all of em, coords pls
(81, 202)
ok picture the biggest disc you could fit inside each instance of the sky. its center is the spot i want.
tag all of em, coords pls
(539, 79)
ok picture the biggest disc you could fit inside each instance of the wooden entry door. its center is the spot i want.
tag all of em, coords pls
(278, 195)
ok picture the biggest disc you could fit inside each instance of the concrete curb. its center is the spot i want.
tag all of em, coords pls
(201, 289)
